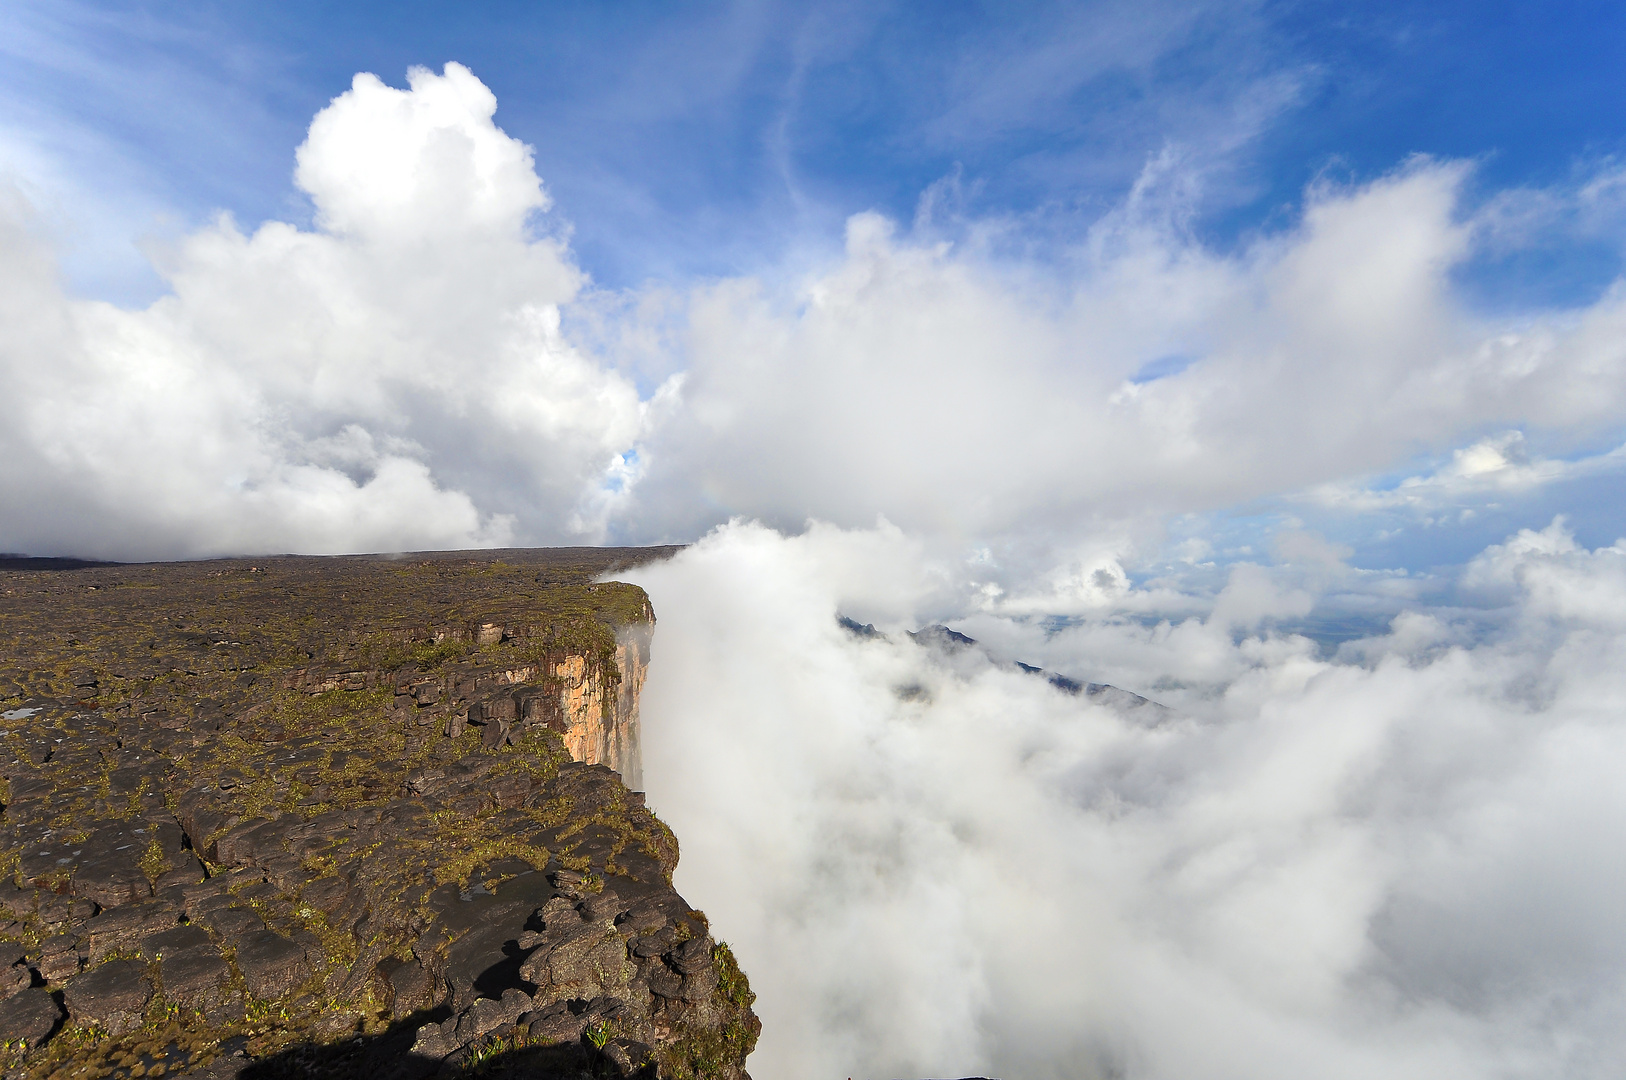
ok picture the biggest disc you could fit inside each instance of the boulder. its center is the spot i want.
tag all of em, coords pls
(111, 997)
(271, 964)
(59, 958)
(29, 1016)
(186, 870)
(435, 1041)
(663, 981)
(554, 1024)
(589, 961)
(487, 1014)
(15, 979)
(110, 878)
(197, 977)
(693, 956)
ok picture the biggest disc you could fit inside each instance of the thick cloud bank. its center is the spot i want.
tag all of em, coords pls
(961, 394)
(394, 379)
(412, 370)
(1402, 862)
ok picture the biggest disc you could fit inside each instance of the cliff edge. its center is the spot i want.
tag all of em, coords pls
(342, 817)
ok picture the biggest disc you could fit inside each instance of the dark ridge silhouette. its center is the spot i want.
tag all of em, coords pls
(1143, 709)
(858, 629)
(943, 637)
(10, 560)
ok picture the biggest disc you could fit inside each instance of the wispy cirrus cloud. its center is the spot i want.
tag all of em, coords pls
(1498, 466)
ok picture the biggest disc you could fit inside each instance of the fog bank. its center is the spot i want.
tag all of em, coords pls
(1399, 862)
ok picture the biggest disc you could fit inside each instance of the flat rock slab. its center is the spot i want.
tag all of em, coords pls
(166, 943)
(271, 964)
(111, 997)
(111, 880)
(123, 927)
(29, 1016)
(231, 922)
(485, 957)
(198, 978)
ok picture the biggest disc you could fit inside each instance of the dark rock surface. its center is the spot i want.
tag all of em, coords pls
(315, 817)
(29, 1017)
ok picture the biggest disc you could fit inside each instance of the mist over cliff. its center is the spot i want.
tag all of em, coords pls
(1378, 831)
(1396, 860)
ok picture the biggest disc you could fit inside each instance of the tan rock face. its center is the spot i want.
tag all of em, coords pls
(600, 706)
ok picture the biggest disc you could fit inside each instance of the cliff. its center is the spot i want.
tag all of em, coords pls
(342, 817)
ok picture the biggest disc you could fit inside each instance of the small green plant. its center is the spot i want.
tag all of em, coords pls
(598, 1033)
(731, 981)
(431, 656)
(153, 862)
(260, 1012)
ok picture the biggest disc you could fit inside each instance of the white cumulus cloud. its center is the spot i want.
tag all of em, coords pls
(394, 379)
(1055, 414)
(965, 396)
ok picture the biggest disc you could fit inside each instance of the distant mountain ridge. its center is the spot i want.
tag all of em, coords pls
(938, 636)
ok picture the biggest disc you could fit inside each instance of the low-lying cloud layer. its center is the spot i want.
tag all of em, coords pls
(1400, 862)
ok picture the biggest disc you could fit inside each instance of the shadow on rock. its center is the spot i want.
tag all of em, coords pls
(388, 1056)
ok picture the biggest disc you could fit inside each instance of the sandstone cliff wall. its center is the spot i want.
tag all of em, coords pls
(599, 706)
(589, 698)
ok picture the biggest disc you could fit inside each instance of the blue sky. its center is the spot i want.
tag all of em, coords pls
(687, 144)
(696, 139)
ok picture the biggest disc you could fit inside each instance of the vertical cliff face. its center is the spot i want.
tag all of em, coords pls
(598, 705)
(586, 692)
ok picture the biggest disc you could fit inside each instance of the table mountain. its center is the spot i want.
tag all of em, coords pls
(342, 817)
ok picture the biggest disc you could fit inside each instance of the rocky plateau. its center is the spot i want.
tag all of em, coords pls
(342, 817)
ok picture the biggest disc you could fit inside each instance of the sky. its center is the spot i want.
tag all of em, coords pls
(1263, 359)
(685, 149)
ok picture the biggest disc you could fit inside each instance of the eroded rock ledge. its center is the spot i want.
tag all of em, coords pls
(342, 817)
